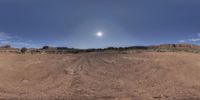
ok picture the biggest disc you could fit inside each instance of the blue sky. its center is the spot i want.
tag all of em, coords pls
(74, 23)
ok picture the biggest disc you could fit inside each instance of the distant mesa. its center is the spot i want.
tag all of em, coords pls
(5, 46)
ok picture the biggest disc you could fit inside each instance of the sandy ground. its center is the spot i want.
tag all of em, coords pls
(100, 76)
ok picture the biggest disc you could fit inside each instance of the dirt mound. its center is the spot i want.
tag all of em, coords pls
(100, 76)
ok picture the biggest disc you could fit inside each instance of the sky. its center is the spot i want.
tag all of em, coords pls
(76, 23)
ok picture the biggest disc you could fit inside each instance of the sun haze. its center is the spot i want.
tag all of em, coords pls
(99, 34)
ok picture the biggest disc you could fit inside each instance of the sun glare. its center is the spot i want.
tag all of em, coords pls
(99, 34)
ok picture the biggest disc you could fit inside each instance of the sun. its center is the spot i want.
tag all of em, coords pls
(99, 34)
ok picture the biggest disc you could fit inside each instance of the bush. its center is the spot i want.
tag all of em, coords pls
(45, 47)
(24, 50)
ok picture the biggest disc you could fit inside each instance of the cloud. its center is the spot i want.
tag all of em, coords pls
(21, 44)
(194, 39)
(5, 42)
(15, 43)
(181, 41)
(6, 39)
(4, 36)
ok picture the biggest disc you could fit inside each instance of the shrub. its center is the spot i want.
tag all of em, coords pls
(45, 47)
(24, 50)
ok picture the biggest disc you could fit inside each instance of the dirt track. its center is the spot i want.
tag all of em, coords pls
(100, 76)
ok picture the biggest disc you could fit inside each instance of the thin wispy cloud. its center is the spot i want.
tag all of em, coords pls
(194, 39)
(6, 39)
(4, 36)
(181, 41)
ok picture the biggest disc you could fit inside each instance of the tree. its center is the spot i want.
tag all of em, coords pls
(45, 47)
(24, 50)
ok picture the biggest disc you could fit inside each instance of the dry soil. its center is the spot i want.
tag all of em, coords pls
(100, 76)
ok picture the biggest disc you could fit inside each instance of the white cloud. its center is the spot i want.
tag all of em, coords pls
(4, 36)
(5, 42)
(14, 43)
(181, 41)
(21, 43)
(195, 39)
(6, 39)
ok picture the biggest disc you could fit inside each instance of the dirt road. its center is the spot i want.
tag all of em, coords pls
(100, 76)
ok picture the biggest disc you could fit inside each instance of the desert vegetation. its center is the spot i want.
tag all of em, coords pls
(65, 50)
